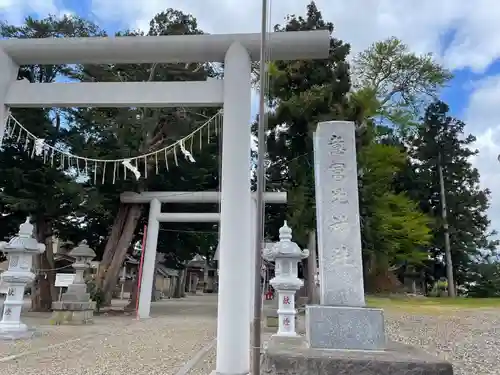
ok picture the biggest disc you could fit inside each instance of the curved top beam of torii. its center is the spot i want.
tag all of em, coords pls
(293, 45)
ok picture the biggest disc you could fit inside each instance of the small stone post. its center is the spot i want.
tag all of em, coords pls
(123, 279)
(286, 255)
(75, 306)
(20, 251)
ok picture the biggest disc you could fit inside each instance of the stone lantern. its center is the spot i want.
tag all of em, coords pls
(286, 255)
(75, 306)
(20, 251)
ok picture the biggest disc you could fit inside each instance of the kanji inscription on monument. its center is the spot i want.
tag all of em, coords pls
(337, 209)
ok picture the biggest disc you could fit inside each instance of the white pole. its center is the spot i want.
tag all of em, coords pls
(253, 266)
(148, 267)
(233, 328)
(9, 71)
(261, 187)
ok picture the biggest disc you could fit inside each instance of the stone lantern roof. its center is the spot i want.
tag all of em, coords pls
(285, 248)
(24, 241)
(82, 251)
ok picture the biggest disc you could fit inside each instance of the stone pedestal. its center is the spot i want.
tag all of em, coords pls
(293, 357)
(75, 306)
(74, 313)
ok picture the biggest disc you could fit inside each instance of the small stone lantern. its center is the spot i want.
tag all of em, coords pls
(75, 306)
(286, 255)
(20, 251)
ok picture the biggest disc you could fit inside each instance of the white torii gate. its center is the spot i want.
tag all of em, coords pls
(233, 92)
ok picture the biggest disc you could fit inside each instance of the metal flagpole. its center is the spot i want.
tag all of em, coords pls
(259, 234)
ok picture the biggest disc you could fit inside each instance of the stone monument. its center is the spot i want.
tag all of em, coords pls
(286, 255)
(75, 306)
(20, 251)
(342, 335)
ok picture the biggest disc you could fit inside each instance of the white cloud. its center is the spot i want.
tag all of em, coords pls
(14, 11)
(472, 25)
(483, 118)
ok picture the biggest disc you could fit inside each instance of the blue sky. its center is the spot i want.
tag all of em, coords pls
(463, 35)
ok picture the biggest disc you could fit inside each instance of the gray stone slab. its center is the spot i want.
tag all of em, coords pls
(354, 328)
(288, 357)
(337, 212)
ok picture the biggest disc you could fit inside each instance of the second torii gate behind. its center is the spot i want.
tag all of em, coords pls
(156, 216)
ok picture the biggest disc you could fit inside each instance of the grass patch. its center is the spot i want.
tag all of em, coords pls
(432, 305)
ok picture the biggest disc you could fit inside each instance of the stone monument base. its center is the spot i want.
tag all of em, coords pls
(349, 328)
(72, 313)
(291, 357)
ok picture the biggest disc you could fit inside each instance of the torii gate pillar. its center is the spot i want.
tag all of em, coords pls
(233, 333)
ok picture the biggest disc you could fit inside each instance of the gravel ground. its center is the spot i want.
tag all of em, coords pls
(470, 340)
(161, 345)
(206, 365)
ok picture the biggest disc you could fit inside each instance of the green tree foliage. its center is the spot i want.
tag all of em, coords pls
(483, 280)
(128, 132)
(393, 84)
(30, 187)
(302, 93)
(441, 139)
(394, 229)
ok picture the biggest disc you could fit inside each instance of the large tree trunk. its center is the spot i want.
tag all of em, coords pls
(380, 278)
(128, 215)
(113, 271)
(43, 291)
(111, 245)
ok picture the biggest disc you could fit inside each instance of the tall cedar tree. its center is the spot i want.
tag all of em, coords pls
(302, 93)
(443, 136)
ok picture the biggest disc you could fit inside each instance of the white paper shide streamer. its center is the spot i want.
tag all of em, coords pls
(132, 168)
(112, 169)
